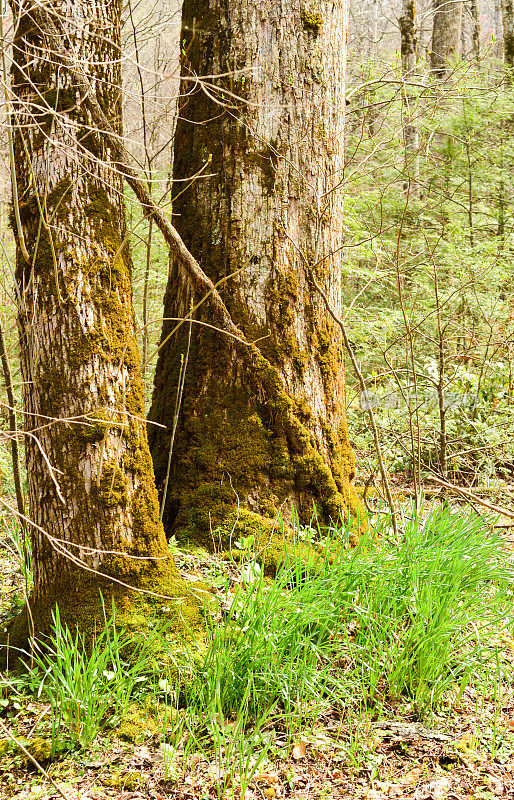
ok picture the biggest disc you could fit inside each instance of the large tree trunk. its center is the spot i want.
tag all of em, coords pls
(446, 35)
(270, 206)
(507, 7)
(92, 497)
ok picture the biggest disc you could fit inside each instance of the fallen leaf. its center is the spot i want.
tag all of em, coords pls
(299, 751)
(144, 753)
(265, 777)
(495, 784)
(411, 778)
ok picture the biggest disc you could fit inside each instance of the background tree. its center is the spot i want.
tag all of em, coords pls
(92, 499)
(446, 35)
(270, 132)
(507, 7)
(408, 50)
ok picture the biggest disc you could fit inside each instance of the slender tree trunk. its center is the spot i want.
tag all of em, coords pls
(13, 423)
(475, 33)
(446, 35)
(272, 209)
(407, 24)
(374, 35)
(498, 29)
(507, 7)
(92, 498)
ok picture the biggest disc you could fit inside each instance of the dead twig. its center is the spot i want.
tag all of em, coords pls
(31, 758)
(505, 512)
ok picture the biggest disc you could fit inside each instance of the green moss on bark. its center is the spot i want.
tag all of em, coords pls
(312, 20)
(272, 547)
(163, 600)
(247, 435)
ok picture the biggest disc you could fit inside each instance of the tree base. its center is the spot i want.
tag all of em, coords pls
(165, 602)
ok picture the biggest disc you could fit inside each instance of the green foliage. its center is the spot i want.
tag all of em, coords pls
(428, 269)
(399, 612)
(417, 620)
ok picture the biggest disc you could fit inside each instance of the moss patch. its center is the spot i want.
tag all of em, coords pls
(126, 780)
(312, 20)
(168, 603)
(271, 547)
(39, 748)
(137, 723)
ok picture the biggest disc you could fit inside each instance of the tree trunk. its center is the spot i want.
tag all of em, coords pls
(475, 33)
(498, 29)
(446, 35)
(507, 7)
(92, 498)
(271, 208)
(407, 24)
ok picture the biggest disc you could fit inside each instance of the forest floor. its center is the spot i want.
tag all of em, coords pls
(463, 750)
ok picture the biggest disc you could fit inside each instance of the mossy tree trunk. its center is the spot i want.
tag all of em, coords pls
(270, 207)
(91, 490)
(446, 35)
(407, 23)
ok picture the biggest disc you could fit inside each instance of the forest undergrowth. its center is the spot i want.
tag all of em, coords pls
(382, 670)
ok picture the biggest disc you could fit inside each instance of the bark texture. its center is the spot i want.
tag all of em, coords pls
(474, 6)
(407, 23)
(446, 35)
(271, 207)
(507, 7)
(91, 488)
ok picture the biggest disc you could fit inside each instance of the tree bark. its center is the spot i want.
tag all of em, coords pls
(446, 35)
(92, 498)
(507, 7)
(474, 6)
(498, 29)
(407, 23)
(271, 207)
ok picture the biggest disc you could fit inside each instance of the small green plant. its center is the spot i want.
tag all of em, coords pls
(245, 544)
(16, 540)
(235, 745)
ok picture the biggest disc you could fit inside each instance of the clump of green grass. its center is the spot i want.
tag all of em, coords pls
(385, 620)
(90, 684)
(426, 608)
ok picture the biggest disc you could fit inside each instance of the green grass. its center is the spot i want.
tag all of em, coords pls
(359, 633)
(385, 621)
(91, 685)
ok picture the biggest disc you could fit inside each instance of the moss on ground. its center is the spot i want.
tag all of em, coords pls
(137, 723)
(38, 747)
(270, 546)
